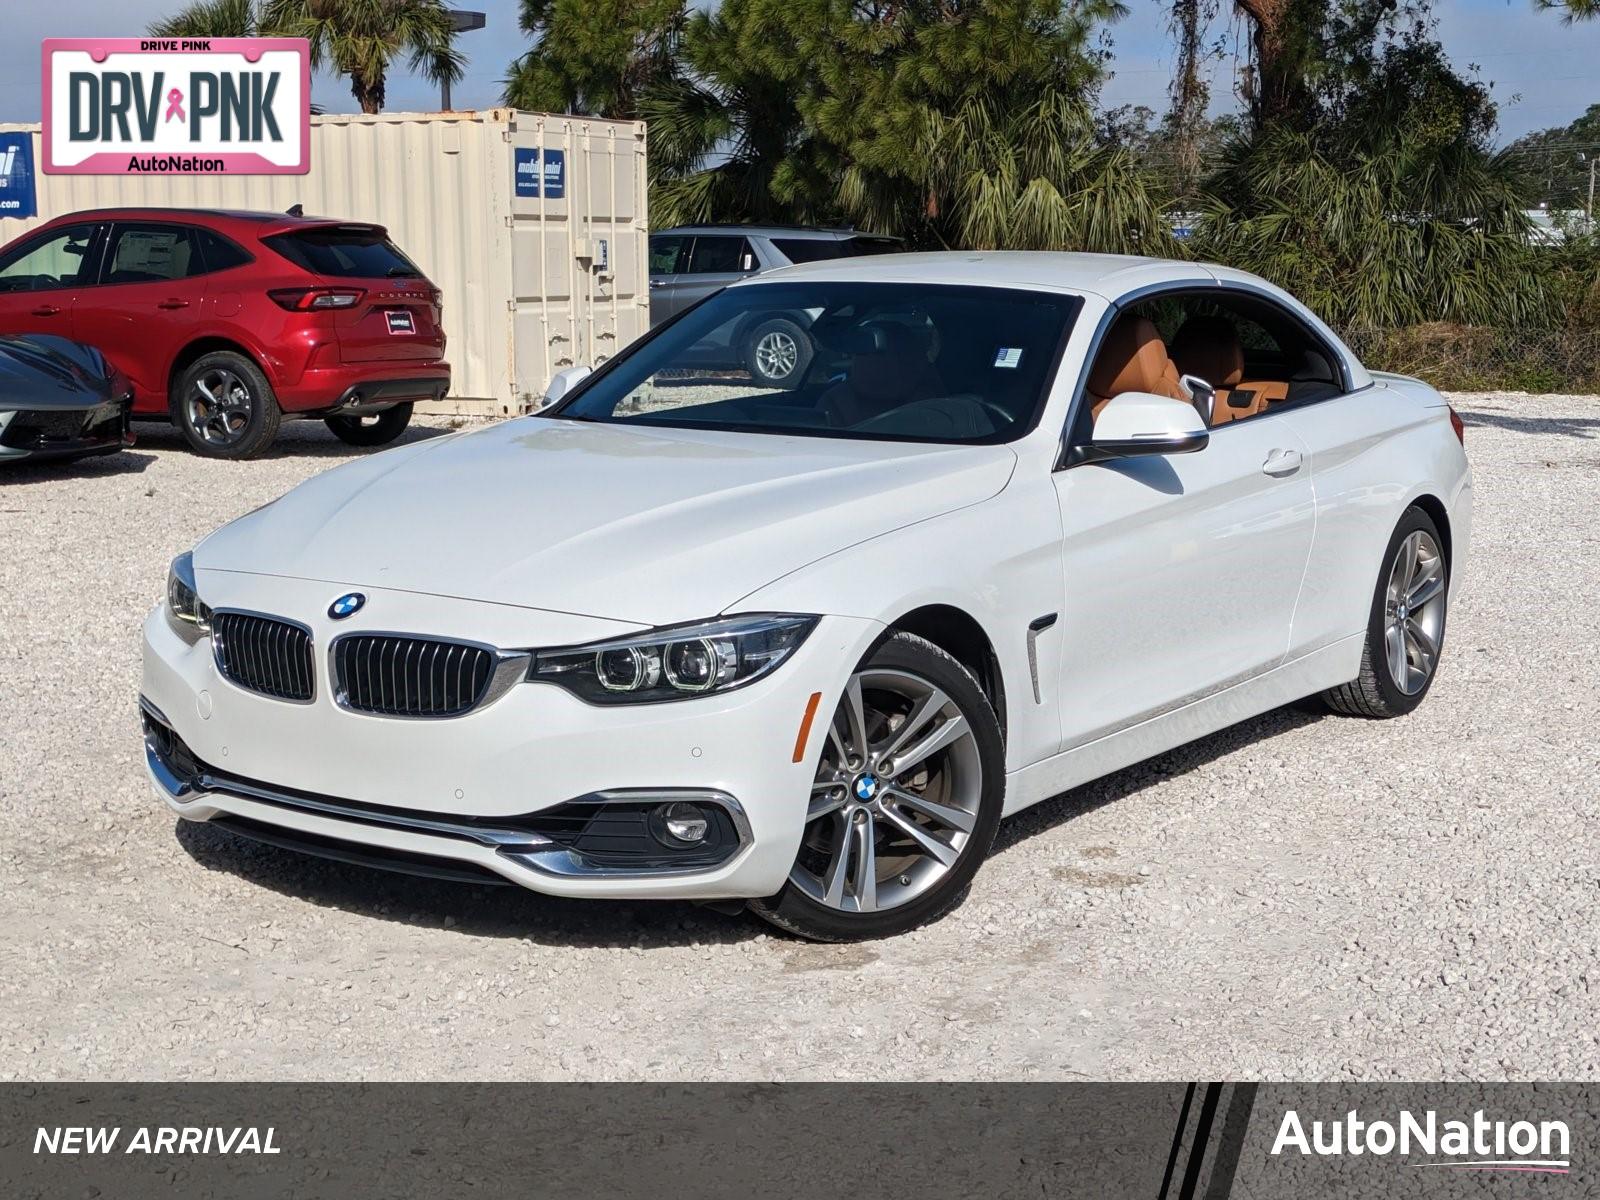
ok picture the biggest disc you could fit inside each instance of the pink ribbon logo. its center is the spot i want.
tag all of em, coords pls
(175, 105)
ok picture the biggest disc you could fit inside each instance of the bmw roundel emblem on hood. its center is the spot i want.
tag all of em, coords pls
(346, 605)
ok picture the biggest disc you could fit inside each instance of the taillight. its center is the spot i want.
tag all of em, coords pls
(307, 299)
(1459, 426)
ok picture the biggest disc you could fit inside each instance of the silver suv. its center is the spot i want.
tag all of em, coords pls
(690, 262)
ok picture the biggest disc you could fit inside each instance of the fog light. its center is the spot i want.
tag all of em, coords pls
(685, 823)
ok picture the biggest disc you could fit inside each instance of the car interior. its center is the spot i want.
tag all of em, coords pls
(150, 256)
(1254, 355)
(54, 260)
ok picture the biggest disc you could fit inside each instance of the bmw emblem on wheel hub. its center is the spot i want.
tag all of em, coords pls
(346, 605)
(866, 787)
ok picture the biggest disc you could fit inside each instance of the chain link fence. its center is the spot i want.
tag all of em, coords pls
(1474, 358)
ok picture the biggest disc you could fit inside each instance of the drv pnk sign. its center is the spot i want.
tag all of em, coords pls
(177, 106)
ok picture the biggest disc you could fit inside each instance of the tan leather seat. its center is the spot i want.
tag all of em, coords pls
(1133, 358)
(1209, 348)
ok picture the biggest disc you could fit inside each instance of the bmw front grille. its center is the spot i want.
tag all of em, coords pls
(264, 654)
(396, 675)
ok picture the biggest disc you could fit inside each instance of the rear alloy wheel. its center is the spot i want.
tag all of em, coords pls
(905, 801)
(1405, 630)
(778, 353)
(374, 429)
(224, 406)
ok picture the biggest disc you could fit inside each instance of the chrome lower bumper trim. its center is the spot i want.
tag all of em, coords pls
(522, 847)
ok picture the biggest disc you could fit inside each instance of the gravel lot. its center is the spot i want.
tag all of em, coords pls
(1301, 896)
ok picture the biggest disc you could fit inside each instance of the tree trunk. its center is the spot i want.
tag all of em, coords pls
(368, 92)
(1189, 91)
(1278, 90)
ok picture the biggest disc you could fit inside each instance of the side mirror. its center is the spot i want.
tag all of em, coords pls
(1138, 423)
(561, 383)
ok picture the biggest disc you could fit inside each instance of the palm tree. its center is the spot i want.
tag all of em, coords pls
(594, 56)
(210, 18)
(359, 39)
(1394, 235)
(1033, 176)
(727, 140)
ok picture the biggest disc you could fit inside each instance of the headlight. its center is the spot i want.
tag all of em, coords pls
(190, 617)
(675, 663)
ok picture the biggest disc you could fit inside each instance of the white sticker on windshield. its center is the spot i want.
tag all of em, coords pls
(1008, 356)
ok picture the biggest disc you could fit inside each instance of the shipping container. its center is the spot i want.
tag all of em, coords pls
(533, 226)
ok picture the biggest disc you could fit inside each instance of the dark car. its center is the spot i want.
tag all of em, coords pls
(229, 322)
(59, 400)
(690, 262)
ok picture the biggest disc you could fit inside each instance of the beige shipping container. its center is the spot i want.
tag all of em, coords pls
(531, 283)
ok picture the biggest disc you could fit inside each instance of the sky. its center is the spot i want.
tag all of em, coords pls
(1543, 73)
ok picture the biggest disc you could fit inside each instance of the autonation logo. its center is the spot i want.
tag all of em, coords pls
(1479, 1144)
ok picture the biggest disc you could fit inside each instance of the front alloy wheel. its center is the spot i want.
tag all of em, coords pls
(777, 353)
(904, 803)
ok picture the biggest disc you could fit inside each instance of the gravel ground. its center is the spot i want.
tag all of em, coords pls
(1301, 896)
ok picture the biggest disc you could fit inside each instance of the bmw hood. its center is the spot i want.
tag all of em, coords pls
(645, 525)
(49, 372)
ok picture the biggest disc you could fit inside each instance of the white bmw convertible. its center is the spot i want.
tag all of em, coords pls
(1023, 520)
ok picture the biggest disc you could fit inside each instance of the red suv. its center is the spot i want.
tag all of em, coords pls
(227, 322)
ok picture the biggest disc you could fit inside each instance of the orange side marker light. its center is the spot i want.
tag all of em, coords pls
(805, 727)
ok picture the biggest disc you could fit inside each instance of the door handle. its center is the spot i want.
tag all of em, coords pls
(657, 283)
(46, 310)
(1281, 462)
(173, 302)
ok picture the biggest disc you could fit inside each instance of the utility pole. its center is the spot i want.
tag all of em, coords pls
(464, 22)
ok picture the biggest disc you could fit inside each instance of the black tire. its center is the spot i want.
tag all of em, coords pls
(378, 429)
(244, 419)
(1375, 692)
(774, 343)
(798, 913)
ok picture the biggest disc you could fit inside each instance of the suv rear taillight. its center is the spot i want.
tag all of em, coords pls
(1458, 425)
(307, 299)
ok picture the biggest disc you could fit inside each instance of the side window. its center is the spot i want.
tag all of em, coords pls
(1256, 354)
(59, 259)
(720, 256)
(220, 253)
(153, 254)
(666, 255)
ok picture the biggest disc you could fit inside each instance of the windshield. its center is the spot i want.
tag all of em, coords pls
(891, 361)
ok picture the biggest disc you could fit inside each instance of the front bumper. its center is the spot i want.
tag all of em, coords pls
(53, 432)
(463, 796)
